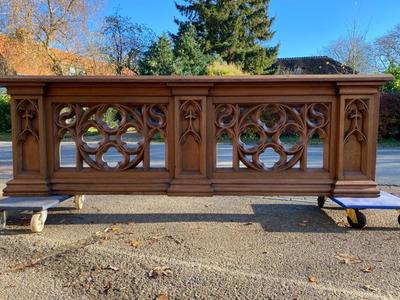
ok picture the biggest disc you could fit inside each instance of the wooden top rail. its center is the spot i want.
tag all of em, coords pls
(212, 135)
(375, 79)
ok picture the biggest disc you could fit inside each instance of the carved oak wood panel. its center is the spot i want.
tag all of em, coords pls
(355, 134)
(142, 120)
(27, 135)
(267, 124)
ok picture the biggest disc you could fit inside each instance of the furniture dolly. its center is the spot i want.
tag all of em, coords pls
(353, 206)
(38, 206)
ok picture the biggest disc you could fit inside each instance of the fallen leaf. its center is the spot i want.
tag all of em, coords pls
(155, 239)
(152, 241)
(247, 224)
(369, 269)
(110, 267)
(347, 258)
(342, 223)
(162, 296)
(369, 288)
(107, 287)
(160, 272)
(135, 244)
(302, 225)
(114, 228)
(312, 279)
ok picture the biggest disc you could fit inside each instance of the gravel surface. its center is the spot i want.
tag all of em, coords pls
(207, 248)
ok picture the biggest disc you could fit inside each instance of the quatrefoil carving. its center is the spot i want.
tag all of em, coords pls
(267, 123)
(145, 120)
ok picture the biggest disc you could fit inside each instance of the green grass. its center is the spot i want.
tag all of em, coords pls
(389, 142)
(5, 136)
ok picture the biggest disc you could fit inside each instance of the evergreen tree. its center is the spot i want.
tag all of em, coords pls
(159, 59)
(234, 29)
(189, 56)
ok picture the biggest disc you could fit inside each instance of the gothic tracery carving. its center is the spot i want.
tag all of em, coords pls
(355, 112)
(146, 120)
(28, 111)
(267, 123)
(190, 111)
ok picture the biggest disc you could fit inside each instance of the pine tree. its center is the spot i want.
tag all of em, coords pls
(189, 56)
(234, 29)
(159, 59)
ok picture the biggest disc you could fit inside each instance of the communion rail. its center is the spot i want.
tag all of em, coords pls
(189, 120)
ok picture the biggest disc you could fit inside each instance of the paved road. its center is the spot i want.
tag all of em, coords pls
(388, 160)
(216, 248)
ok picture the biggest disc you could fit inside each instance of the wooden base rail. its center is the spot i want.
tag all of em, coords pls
(264, 126)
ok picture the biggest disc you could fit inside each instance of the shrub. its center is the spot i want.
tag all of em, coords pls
(389, 116)
(393, 86)
(218, 68)
(5, 113)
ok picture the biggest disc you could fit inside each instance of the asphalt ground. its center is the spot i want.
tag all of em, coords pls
(205, 248)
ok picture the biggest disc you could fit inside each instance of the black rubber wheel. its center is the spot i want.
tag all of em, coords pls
(321, 201)
(361, 221)
(398, 219)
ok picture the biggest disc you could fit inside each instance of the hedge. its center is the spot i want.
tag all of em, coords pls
(5, 114)
(389, 120)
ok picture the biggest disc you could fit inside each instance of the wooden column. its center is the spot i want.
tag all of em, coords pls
(358, 116)
(190, 140)
(29, 141)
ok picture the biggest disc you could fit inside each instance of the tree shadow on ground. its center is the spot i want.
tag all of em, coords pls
(277, 217)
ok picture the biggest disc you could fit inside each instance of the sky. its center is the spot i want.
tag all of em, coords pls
(303, 27)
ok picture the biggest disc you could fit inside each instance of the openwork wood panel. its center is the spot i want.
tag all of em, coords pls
(265, 125)
(166, 135)
(142, 120)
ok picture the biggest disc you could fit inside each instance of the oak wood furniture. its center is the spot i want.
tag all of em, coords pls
(191, 114)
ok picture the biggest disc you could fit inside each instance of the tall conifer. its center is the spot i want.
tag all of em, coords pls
(237, 30)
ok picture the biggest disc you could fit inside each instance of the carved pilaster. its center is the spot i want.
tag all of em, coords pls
(190, 141)
(29, 142)
(356, 136)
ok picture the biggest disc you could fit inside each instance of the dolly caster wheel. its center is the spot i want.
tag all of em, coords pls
(79, 200)
(38, 220)
(3, 219)
(356, 219)
(321, 201)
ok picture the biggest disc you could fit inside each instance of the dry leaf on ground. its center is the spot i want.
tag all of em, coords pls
(369, 269)
(155, 239)
(110, 267)
(347, 258)
(369, 288)
(135, 244)
(162, 296)
(114, 228)
(312, 279)
(160, 272)
(107, 287)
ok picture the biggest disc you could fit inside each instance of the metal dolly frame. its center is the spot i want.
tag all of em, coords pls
(353, 206)
(38, 205)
